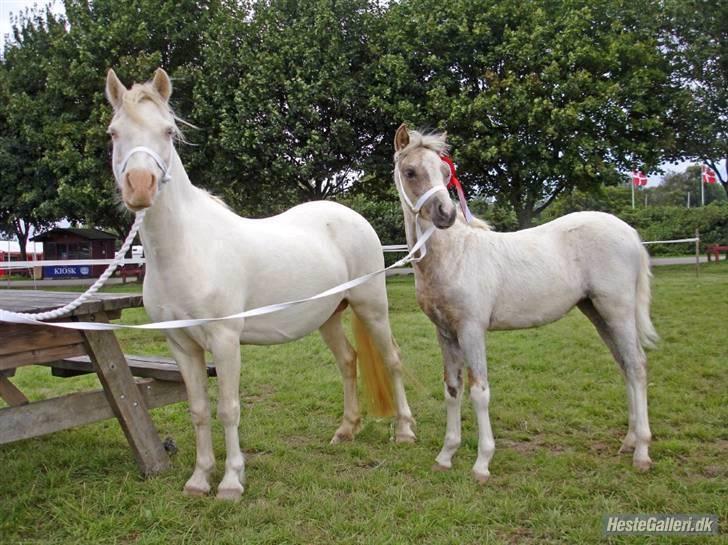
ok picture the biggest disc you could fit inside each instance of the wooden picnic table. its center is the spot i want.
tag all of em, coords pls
(123, 396)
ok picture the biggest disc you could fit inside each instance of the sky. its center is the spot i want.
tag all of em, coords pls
(15, 6)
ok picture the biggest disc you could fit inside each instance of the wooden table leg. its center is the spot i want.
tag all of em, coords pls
(125, 399)
(10, 393)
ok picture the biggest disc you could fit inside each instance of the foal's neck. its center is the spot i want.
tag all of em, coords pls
(442, 246)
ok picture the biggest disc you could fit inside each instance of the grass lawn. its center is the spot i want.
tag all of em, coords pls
(558, 410)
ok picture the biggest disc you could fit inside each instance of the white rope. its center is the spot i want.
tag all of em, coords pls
(73, 305)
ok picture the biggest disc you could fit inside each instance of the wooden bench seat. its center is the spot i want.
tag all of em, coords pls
(141, 366)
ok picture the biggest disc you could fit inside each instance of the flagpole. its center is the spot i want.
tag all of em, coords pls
(702, 187)
(633, 193)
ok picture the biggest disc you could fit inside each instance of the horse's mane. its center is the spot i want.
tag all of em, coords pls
(140, 92)
(437, 142)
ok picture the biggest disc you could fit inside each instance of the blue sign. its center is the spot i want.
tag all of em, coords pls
(67, 271)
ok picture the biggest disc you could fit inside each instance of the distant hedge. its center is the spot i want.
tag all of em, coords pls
(653, 223)
(671, 222)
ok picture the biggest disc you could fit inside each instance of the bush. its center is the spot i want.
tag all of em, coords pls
(671, 222)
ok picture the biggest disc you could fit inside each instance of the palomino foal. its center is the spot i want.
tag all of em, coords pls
(473, 279)
(205, 261)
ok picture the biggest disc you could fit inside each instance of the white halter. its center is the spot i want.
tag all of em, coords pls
(416, 208)
(166, 176)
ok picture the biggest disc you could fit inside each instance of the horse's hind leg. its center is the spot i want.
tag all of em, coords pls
(372, 310)
(333, 335)
(618, 330)
(453, 361)
(190, 359)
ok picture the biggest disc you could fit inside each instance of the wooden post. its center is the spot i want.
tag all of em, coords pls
(125, 399)
(697, 254)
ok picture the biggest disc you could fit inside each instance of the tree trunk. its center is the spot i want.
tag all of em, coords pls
(21, 228)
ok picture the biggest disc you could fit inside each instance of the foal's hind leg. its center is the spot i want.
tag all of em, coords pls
(190, 359)
(618, 331)
(374, 314)
(453, 361)
(333, 335)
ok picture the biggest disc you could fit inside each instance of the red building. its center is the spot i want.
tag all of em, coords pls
(68, 244)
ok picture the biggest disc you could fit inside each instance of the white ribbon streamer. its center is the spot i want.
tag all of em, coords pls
(12, 317)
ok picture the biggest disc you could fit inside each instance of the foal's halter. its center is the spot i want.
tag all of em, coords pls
(416, 208)
(164, 167)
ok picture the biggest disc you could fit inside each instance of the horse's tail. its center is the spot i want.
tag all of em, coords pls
(647, 335)
(376, 381)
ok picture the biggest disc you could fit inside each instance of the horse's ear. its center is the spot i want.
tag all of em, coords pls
(401, 138)
(162, 83)
(114, 89)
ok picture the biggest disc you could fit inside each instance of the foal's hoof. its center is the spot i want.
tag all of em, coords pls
(409, 437)
(642, 465)
(439, 467)
(481, 478)
(342, 437)
(229, 494)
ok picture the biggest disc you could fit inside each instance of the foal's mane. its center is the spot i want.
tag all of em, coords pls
(437, 142)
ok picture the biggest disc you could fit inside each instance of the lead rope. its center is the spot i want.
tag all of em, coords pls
(118, 258)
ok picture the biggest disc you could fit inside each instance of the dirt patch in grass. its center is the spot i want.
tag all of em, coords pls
(531, 445)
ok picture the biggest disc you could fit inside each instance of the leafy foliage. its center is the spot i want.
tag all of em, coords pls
(539, 97)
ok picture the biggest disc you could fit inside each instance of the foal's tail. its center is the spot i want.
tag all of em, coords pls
(376, 381)
(646, 331)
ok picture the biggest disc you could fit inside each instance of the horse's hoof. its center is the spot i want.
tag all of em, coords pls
(405, 438)
(642, 465)
(229, 494)
(195, 492)
(481, 478)
(439, 467)
(342, 437)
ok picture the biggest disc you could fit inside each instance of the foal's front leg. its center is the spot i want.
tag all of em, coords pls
(226, 354)
(472, 342)
(452, 359)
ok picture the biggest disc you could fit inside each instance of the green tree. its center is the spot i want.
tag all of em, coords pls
(283, 97)
(538, 97)
(673, 190)
(134, 38)
(696, 41)
(27, 183)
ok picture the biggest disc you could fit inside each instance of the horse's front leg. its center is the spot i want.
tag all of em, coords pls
(226, 354)
(452, 358)
(472, 342)
(190, 358)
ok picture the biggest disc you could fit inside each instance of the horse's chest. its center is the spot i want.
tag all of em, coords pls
(440, 309)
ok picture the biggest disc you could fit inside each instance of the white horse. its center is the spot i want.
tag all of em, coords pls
(473, 279)
(205, 261)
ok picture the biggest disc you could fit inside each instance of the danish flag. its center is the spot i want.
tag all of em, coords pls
(639, 178)
(709, 176)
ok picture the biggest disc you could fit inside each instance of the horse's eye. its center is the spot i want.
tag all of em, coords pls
(113, 133)
(409, 173)
(169, 132)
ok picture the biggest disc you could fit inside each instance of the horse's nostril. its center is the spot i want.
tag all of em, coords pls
(152, 180)
(127, 180)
